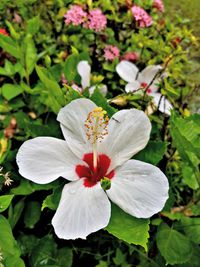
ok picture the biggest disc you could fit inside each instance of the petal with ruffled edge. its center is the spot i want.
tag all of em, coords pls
(72, 118)
(132, 87)
(81, 211)
(127, 71)
(44, 159)
(149, 73)
(102, 89)
(128, 133)
(139, 188)
(84, 70)
(162, 103)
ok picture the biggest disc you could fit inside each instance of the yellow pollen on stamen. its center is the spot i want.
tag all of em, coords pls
(96, 129)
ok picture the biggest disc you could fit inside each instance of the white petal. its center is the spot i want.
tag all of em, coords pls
(72, 118)
(162, 103)
(44, 159)
(127, 71)
(81, 211)
(84, 70)
(139, 188)
(147, 74)
(128, 133)
(102, 89)
(131, 87)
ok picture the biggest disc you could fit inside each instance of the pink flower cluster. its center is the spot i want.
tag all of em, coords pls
(4, 32)
(141, 16)
(158, 4)
(111, 52)
(130, 56)
(94, 20)
(75, 16)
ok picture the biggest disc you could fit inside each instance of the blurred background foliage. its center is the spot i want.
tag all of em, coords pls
(33, 59)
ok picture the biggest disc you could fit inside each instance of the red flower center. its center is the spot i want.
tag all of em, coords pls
(93, 175)
(144, 85)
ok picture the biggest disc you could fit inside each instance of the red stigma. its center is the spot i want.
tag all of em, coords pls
(144, 85)
(92, 176)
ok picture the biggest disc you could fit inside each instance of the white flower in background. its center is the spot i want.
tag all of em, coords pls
(84, 70)
(95, 150)
(136, 80)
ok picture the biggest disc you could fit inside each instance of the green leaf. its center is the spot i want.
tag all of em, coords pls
(15, 213)
(70, 65)
(153, 152)
(52, 88)
(128, 228)
(32, 214)
(65, 257)
(33, 25)
(9, 69)
(196, 209)
(174, 246)
(25, 188)
(101, 101)
(191, 227)
(194, 259)
(52, 200)
(10, 91)
(44, 253)
(189, 177)
(10, 46)
(186, 138)
(14, 262)
(12, 31)
(8, 245)
(119, 258)
(185, 134)
(5, 202)
(30, 54)
(27, 243)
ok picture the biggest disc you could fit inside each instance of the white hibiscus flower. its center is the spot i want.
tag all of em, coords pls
(95, 148)
(84, 70)
(136, 80)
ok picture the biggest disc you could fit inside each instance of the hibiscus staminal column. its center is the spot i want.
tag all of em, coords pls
(96, 128)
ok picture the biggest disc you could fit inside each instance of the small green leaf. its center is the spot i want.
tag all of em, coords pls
(174, 246)
(53, 90)
(44, 253)
(191, 227)
(32, 214)
(101, 101)
(70, 66)
(10, 46)
(128, 228)
(65, 257)
(153, 152)
(14, 261)
(33, 25)
(15, 213)
(12, 31)
(119, 258)
(9, 247)
(30, 54)
(5, 202)
(189, 177)
(10, 91)
(52, 200)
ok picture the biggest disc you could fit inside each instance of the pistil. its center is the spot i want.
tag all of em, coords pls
(96, 129)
